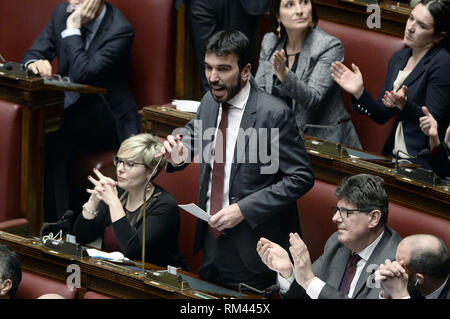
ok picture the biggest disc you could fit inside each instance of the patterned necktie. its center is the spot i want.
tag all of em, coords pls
(218, 171)
(349, 274)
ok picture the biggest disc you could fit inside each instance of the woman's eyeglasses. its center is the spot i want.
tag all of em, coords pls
(127, 164)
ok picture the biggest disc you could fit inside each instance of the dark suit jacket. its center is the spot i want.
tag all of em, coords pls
(330, 268)
(254, 7)
(105, 64)
(445, 293)
(267, 201)
(428, 85)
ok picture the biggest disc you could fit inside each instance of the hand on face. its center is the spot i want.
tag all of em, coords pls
(105, 189)
(348, 80)
(302, 262)
(393, 279)
(274, 257)
(395, 99)
(84, 14)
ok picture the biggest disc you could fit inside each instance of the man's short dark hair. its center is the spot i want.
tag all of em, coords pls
(434, 263)
(226, 42)
(10, 268)
(365, 192)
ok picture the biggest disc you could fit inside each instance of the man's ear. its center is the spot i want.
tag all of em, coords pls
(375, 217)
(5, 286)
(245, 73)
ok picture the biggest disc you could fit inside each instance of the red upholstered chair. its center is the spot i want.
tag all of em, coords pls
(315, 216)
(184, 186)
(33, 286)
(95, 295)
(407, 221)
(357, 43)
(10, 123)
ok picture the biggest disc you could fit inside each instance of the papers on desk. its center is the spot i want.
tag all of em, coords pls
(115, 256)
(186, 105)
(196, 211)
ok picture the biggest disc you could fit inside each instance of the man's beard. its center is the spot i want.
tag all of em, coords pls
(231, 91)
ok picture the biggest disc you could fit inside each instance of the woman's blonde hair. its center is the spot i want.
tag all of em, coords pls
(144, 145)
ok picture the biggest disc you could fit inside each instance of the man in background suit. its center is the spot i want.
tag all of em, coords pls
(210, 16)
(248, 196)
(421, 270)
(351, 255)
(92, 45)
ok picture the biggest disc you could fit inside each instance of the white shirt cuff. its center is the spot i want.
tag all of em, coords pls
(28, 62)
(285, 283)
(68, 32)
(314, 288)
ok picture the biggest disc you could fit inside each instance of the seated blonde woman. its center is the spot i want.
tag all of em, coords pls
(115, 208)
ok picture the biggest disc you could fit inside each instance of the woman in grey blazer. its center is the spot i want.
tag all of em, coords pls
(295, 64)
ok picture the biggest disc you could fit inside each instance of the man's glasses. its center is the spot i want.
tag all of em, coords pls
(127, 164)
(344, 212)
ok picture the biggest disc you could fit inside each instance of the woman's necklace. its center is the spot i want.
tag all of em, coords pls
(293, 54)
(148, 195)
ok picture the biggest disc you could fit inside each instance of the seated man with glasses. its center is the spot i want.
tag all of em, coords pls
(351, 255)
(115, 209)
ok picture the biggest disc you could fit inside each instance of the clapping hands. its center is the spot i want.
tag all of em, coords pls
(395, 99)
(348, 80)
(277, 259)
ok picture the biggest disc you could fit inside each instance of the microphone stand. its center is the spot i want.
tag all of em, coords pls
(341, 121)
(144, 208)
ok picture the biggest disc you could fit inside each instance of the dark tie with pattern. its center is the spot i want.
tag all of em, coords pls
(218, 171)
(349, 274)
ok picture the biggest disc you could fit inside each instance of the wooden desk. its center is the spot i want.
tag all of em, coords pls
(430, 199)
(103, 277)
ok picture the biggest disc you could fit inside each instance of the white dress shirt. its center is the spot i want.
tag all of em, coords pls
(315, 287)
(235, 112)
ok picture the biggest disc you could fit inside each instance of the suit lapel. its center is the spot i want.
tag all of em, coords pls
(399, 65)
(209, 122)
(303, 63)
(376, 258)
(337, 268)
(420, 67)
(247, 121)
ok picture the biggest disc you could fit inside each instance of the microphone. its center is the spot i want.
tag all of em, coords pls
(266, 293)
(422, 154)
(343, 120)
(144, 208)
(67, 215)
